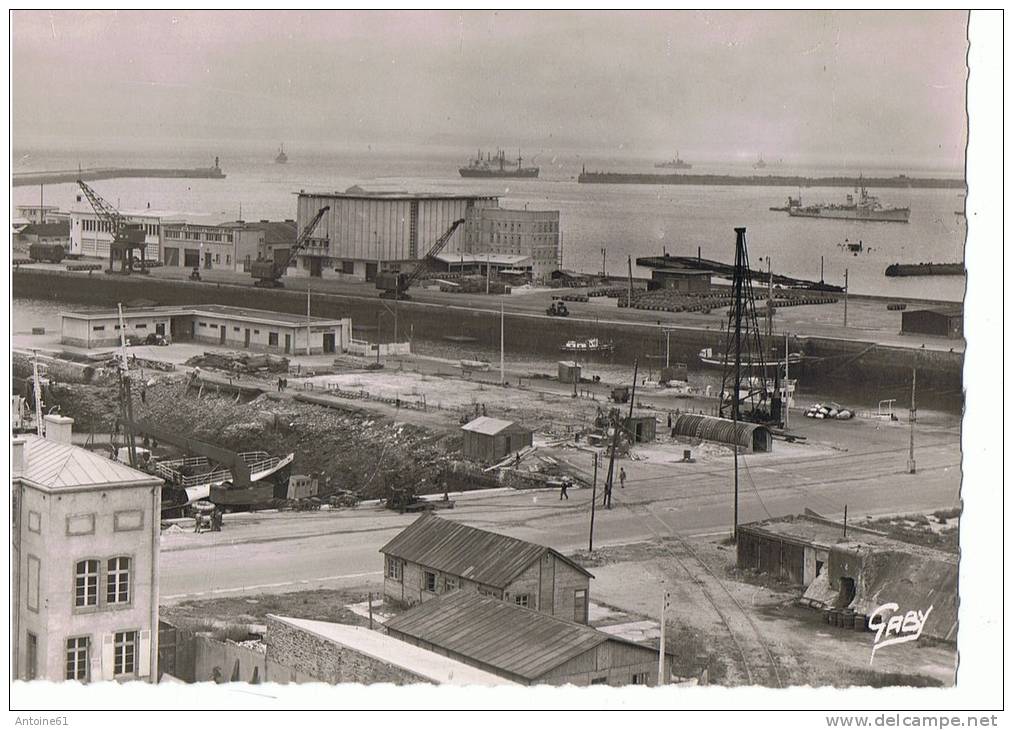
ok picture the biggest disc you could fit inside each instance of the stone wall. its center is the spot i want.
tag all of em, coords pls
(296, 655)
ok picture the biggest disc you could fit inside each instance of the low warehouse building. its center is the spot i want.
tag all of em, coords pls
(525, 646)
(434, 556)
(752, 437)
(862, 570)
(641, 429)
(942, 321)
(491, 439)
(569, 371)
(250, 329)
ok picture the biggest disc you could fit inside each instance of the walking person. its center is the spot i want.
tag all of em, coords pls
(622, 478)
(564, 485)
(279, 385)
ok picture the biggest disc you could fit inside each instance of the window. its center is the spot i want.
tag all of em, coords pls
(449, 583)
(32, 658)
(124, 646)
(77, 658)
(86, 584)
(429, 581)
(228, 257)
(600, 680)
(98, 328)
(394, 568)
(639, 678)
(580, 606)
(272, 339)
(118, 580)
(521, 599)
(141, 326)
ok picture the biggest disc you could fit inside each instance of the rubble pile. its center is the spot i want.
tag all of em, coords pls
(351, 451)
(240, 362)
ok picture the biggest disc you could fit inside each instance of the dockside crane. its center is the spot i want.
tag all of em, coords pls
(268, 273)
(394, 284)
(126, 236)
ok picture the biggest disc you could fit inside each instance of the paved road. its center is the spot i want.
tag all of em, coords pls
(274, 552)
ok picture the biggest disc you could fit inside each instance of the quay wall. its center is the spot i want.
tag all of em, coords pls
(852, 368)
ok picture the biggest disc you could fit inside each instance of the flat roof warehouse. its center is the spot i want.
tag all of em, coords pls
(257, 316)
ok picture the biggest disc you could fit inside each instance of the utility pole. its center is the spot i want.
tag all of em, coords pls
(821, 269)
(845, 520)
(396, 300)
(770, 300)
(487, 274)
(665, 598)
(307, 320)
(740, 246)
(787, 391)
(502, 377)
(845, 298)
(378, 337)
(913, 417)
(668, 348)
(603, 264)
(594, 496)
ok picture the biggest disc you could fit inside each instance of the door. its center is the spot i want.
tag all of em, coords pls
(246, 338)
(328, 342)
(160, 329)
(370, 271)
(221, 334)
(288, 344)
(207, 261)
(316, 267)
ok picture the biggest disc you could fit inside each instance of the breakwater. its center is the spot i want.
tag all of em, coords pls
(854, 369)
(793, 181)
(58, 177)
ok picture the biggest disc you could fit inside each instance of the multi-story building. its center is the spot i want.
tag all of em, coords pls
(270, 240)
(207, 247)
(365, 232)
(84, 562)
(90, 235)
(40, 214)
(530, 233)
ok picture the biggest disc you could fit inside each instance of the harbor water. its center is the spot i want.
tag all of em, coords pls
(625, 220)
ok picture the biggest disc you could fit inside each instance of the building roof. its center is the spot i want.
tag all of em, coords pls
(56, 466)
(422, 662)
(160, 215)
(498, 259)
(357, 193)
(954, 311)
(503, 636)
(468, 552)
(261, 316)
(681, 271)
(48, 229)
(812, 530)
(489, 426)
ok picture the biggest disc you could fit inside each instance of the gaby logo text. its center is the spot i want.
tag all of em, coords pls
(893, 627)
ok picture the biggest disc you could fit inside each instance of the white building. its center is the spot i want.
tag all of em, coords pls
(90, 235)
(84, 562)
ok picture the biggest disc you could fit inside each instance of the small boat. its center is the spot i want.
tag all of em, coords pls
(592, 344)
(471, 366)
(282, 158)
(715, 359)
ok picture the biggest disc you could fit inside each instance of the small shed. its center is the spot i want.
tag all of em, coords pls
(641, 428)
(569, 371)
(679, 372)
(490, 439)
(680, 279)
(753, 437)
(941, 321)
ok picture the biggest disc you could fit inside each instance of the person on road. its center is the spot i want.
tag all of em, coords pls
(564, 485)
(622, 478)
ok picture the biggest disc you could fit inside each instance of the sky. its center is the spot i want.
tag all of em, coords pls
(799, 85)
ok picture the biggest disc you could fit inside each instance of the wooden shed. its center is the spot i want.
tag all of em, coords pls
(641, 428)
(942, 321)
(488, 439)
(569, 371)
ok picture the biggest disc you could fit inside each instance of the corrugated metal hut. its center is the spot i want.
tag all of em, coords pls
(525, 646)
(490, 439)
(433, 556)
(750, 436)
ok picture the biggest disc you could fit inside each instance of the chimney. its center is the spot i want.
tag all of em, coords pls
(59, 428)
(18, 456)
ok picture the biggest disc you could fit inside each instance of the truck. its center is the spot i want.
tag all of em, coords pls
(53, 252)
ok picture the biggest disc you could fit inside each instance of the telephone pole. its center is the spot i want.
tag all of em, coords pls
(912, 417)
(845, 298)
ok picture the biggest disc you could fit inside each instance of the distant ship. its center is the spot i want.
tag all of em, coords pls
(677, 164)
(282, 158)
(496, 166)
(866, 208)
(759, 164)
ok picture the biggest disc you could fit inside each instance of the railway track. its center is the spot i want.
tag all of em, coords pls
(759, 664)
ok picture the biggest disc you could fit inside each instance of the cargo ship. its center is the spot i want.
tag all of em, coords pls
(865, 208)
(677, 164)
(497, 166)
(928, 269)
